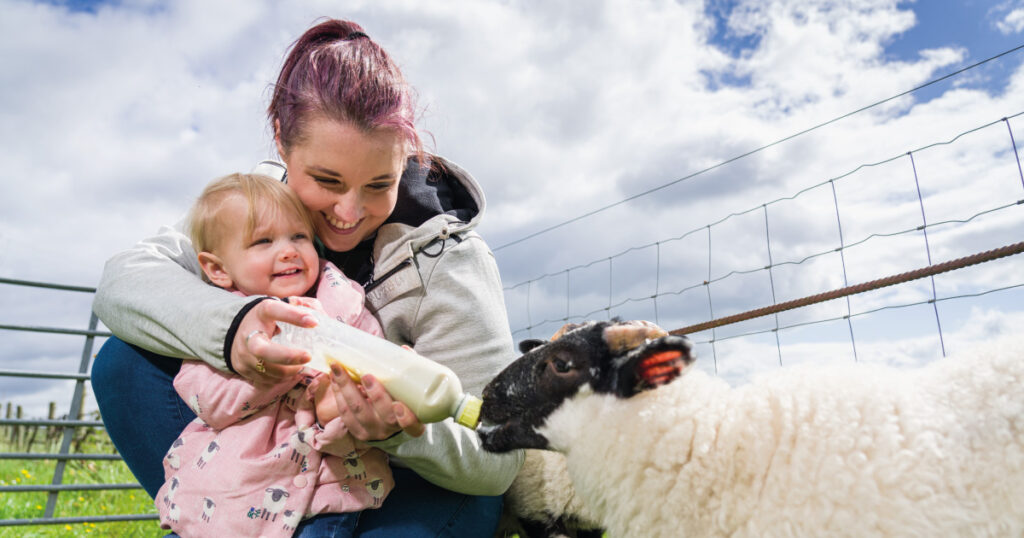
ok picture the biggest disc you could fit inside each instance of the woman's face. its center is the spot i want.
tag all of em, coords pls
(347, 178)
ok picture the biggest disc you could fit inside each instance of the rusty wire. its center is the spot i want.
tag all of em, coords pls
(959, 263)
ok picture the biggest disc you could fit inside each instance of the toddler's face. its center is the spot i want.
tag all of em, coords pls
(279, 259)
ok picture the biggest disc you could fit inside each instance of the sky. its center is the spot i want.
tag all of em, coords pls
(732, 115)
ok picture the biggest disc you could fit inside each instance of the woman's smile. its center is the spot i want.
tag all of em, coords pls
(340, 226)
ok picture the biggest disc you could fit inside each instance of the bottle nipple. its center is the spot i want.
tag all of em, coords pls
(469, 412)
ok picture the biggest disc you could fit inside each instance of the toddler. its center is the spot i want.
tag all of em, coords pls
(258, 459)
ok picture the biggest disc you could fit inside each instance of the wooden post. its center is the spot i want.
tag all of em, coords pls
(81, 402)
(52, 432)
(17, 432)
(30, 432)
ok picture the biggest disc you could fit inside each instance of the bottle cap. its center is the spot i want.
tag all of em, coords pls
(469, 412)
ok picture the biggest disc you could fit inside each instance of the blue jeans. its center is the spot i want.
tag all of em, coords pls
(144, 415)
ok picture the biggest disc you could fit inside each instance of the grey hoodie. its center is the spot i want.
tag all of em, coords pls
(435, 287)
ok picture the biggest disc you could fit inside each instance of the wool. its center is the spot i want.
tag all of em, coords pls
(542, 495)
(846, 450)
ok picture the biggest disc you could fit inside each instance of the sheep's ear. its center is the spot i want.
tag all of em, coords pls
(526, 345)
(564, 329)
(623, 336)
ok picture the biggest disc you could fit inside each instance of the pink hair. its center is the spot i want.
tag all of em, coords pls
(336, 71)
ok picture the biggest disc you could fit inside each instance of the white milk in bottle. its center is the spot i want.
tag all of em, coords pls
(431, 390)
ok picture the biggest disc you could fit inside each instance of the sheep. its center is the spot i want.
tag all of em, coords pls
(273, 502)
(208, 454)
(376, 489)
(655, 448)
(208, 507)
(169, 495)
(542, 503)
(291, 520)
(354, 466)
(174, 513)
(172, 457)
(193, 404)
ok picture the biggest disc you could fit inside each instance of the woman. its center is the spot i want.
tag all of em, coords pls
(400, 225)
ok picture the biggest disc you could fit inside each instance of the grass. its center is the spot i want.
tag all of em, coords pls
(30, 505)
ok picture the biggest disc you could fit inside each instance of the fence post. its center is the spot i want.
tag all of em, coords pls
(16, 432)
(76, 411)
(51, 431)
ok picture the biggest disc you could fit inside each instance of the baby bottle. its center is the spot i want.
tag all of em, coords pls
(431, 390)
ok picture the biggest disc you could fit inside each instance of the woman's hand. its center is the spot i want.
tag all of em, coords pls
(258, 359)
(367, 409)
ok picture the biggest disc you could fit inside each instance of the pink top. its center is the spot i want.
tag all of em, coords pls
(256, 462)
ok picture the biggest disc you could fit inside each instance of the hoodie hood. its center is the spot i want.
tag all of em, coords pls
(434, 188)
(436, 200)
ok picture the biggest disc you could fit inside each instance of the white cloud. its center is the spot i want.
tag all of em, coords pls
(113, 121)
(1012, 23)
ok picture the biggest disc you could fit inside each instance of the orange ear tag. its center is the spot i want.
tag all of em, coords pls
(660, 368)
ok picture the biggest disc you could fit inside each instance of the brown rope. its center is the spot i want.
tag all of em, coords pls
(951, 265)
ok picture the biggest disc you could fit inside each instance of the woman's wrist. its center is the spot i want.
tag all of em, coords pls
(229, 339)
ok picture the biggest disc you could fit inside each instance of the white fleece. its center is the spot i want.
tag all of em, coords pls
(852, 450)
(542, 490)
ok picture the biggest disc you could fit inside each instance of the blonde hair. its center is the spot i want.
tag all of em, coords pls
(204, 228)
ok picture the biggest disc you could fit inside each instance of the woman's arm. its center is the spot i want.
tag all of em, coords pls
(151, 295)
(460, 322)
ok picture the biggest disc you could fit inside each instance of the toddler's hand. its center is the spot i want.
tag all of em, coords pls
(325, 402)
(258, 359)
(308, 302)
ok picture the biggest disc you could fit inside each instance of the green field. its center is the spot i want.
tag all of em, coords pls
(30, 505)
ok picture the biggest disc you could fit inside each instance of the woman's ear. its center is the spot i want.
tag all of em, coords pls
(277, 138)
(214, 270)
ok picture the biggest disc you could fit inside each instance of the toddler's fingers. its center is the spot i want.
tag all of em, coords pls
(308, 302)
(276, 354)
(270, 312)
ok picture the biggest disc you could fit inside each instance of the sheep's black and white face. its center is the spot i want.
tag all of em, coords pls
(619, 358)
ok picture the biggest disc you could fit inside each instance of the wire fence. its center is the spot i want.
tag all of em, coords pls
(702, 299)
(764, 147)
(532, 304)
(61, 438)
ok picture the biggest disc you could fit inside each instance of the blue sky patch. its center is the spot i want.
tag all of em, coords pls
(81, 6)
(724, 38)
(968, 24)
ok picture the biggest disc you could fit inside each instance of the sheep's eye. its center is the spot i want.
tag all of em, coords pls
(561, 366)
